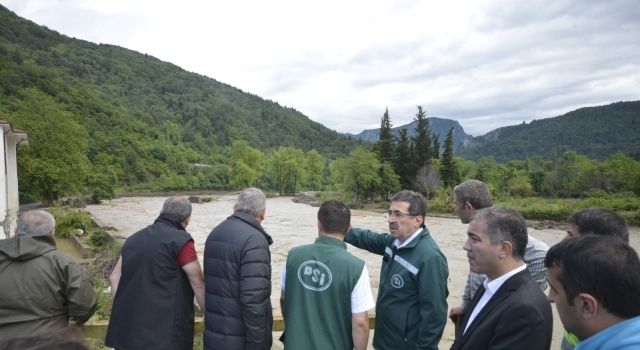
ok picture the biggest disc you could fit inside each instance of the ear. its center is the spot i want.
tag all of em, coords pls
(262, 214)
(587, 306)
(468, 206)
(186, 221)
(505, 249)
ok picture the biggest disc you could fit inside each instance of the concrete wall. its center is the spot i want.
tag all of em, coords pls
(9, 199)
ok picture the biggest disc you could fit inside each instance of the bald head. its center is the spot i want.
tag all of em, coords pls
(35, 223)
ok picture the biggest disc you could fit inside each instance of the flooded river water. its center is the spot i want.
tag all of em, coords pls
(291, 224)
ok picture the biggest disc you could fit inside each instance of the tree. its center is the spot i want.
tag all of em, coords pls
(358, 174)
(427, 180)
(403, 160)
(422, 139)
(448, 169)
(55, 161)
(287, 166)
(385, 145)
(314, 165)
(246, 165)
(436, 145)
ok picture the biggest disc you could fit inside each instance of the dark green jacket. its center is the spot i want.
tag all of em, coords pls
(411, 310)
(320, 280)
(40, 288)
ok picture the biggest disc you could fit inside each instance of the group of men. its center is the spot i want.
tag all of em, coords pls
(593, 277)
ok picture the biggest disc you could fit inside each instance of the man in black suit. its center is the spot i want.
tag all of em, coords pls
(509, 311)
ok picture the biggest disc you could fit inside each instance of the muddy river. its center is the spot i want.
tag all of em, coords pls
(291, 224)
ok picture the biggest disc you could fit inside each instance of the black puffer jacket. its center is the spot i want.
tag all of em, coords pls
(237, 268)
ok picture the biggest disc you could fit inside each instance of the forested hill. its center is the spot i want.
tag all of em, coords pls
(596, 132)
(137, 117)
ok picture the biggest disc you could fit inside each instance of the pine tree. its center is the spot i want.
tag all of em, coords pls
(385, 145)
(449, 170)
(403, 161)
(436, 145)
(422, 139)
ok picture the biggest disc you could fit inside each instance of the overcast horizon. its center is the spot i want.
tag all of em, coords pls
(486, 64)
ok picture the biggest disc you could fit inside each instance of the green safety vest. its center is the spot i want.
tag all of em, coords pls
(319, 280)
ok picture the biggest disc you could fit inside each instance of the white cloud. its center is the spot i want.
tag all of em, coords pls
(486, 63)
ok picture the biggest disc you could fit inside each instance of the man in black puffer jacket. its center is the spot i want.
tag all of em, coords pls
(237, 268)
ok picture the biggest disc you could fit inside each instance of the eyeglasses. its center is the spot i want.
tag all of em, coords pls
(397, 214)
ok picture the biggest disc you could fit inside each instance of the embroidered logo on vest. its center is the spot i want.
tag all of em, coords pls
(397, 281)
(314, 275)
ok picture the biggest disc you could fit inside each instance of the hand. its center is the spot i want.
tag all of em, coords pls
(456, 313)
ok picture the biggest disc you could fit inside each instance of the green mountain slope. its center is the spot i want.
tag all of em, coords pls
(596, 132)
(144, 118)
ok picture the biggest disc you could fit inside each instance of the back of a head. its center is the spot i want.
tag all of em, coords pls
(417, 202)
(177, 208)
(251, 201)
(604, 267)
(505, 224)
(600, 221)
(35, 223)
(475, 192)
(334, 216)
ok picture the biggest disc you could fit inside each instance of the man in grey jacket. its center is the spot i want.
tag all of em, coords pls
(41, 287)
(237, 269)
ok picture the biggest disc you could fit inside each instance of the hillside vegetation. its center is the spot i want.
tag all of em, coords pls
(597, 132)
(101, 116)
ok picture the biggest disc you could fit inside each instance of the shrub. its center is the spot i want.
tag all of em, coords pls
(68, 220)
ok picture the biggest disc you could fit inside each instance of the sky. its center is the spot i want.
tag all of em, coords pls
(484, 63)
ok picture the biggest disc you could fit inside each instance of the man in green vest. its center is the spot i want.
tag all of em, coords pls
(325, 290)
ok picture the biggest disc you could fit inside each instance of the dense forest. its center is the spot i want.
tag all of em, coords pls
(101, 117)
(597, 132)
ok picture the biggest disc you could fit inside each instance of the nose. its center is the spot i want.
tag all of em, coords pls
(466, 246)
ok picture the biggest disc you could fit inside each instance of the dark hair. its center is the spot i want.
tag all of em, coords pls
(604, 267)
(334, 216)
(475, 192)
(600, 221)
(505, 224)
(417, 202)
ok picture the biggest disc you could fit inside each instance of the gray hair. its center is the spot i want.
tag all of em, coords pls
(251, 201)
(177, 207)
(35, 223)
(505, 224)
(475, 192)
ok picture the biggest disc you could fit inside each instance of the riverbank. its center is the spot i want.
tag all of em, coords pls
(293, 224)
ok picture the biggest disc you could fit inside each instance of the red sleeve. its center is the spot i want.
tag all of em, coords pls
(187, 254)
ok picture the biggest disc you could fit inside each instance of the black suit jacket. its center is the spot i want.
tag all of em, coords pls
(518, 316)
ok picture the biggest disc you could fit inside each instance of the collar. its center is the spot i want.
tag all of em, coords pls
(331, 241)
(406, 243)
(240, 215)
(495, 284)
(170, 220)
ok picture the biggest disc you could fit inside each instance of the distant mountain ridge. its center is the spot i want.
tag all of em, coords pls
(438, 126)
(596, 132)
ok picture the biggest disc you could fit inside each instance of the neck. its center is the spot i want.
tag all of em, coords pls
(602, 322)
(338, 236)
(507, 266)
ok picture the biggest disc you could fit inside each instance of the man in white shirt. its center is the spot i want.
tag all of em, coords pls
(325, 290)
(509, 311)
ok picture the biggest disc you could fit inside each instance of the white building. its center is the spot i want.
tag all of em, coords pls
(9, 141)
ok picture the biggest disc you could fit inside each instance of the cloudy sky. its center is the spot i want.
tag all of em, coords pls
(485, 63)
